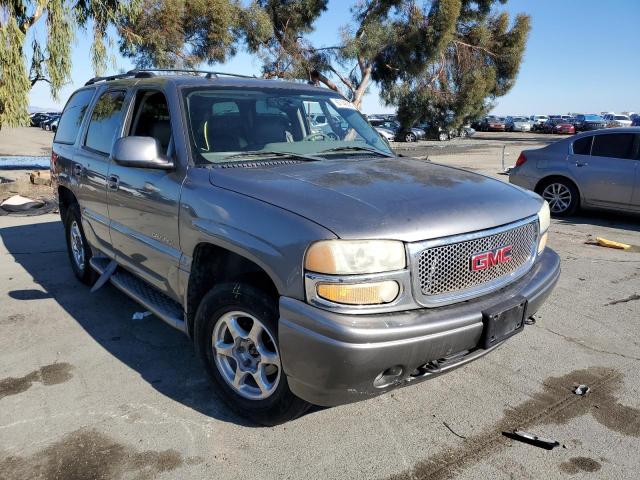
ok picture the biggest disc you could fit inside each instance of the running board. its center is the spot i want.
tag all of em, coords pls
(156, 302)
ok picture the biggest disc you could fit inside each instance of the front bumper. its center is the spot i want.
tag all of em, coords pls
(332, 359)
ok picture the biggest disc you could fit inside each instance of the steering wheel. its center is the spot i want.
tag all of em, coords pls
(314, 137)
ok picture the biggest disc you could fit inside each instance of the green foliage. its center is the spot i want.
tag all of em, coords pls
(452, 58)
(52, 63)
(181, 33)
(14, 82)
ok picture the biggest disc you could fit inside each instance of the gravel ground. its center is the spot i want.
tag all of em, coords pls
(26, 141)
(86, 392)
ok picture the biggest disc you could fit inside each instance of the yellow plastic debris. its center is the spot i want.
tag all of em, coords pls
(603, 242)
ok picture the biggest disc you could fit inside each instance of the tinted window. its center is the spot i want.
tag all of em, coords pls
(582, 146)
(615, 145)
(72, 117)
(105, 121)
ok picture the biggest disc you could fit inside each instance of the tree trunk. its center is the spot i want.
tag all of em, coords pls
(359, 92)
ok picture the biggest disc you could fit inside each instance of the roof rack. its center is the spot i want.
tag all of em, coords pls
(151, 72)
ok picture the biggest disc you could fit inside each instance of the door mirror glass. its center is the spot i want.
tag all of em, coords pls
(141, 152)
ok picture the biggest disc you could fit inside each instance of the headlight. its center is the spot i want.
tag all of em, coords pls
(350, 257)
(544, 218)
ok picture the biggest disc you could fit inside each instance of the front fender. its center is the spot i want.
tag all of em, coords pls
(273, 238)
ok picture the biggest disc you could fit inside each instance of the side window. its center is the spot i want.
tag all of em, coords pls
(105, 121)
(614, 145)
(72, 116)
(151, 118)
(582, 146)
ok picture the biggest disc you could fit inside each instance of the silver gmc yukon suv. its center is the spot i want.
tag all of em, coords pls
(308, 263)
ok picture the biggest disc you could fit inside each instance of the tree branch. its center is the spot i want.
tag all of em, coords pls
(37, 13)
(475, 47)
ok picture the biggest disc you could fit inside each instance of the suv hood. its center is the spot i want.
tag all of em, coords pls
(388, 198)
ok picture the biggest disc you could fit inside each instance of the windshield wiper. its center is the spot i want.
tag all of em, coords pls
(355, 147)
(272, 153)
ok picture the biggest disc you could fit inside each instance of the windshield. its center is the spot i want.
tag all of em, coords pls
(520, 119)
(593, 118)
(226, 124)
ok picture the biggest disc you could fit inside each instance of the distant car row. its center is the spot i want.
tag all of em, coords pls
(390, 129)
(562, 124)
(45, 120)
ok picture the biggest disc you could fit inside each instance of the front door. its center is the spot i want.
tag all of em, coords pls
(144, 202)
(607, 174)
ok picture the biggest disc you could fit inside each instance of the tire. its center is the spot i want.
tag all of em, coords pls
(443, 137)
(243, 308)
(78, 247)
(562, 195)
(410, 137)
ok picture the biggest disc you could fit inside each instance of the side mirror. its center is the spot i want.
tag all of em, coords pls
(141, 152)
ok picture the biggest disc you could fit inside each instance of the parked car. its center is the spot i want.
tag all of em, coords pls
(521, 124)
(53, 126)
(436, 132)
(584, 123)
(558, 125)
(387, 134)
(39, 117)
(492, 123)
(636, 121)
(401, 134)
(306, 270)
(537, 122)
(595, 169)
(46, 123)
(615, 120)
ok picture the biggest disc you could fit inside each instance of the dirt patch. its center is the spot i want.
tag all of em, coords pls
(556, 404)
(580, 464)
(89, 454)
(53, 374)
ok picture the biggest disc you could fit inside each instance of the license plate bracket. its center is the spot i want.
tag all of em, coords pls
(503, 321)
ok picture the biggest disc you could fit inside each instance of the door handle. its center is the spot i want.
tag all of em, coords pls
(581, 164)
(114, 182)
(77, 169)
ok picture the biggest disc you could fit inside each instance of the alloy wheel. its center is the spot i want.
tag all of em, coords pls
(246, 355)
(558, 196)
(77, 247)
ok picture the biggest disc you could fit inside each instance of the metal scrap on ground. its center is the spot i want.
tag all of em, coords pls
(532, 439)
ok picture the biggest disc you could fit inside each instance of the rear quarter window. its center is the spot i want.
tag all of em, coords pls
(72, 117)
(613, 145)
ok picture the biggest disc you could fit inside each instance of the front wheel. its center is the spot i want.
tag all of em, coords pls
(237, 340)
(410, 137)
(443, 137)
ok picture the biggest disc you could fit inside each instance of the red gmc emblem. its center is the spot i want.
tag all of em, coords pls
(483, 261)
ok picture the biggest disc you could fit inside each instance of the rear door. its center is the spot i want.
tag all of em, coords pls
(607, 175)
(91, 164)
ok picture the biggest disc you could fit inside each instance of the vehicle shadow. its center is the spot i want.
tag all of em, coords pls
(623, 221)
(164, 357)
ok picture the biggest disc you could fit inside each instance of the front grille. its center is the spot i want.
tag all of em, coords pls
(445, 270)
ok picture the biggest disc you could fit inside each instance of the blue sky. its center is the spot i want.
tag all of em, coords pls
(582, 56)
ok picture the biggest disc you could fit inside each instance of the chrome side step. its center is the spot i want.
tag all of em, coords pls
(156, 302)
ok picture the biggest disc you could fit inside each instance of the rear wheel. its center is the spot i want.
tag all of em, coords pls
(561, 195)
(443, 137)
(77, 246)
(237, 340)
(410, 137)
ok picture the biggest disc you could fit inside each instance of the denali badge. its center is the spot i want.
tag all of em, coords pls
(483, 261)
